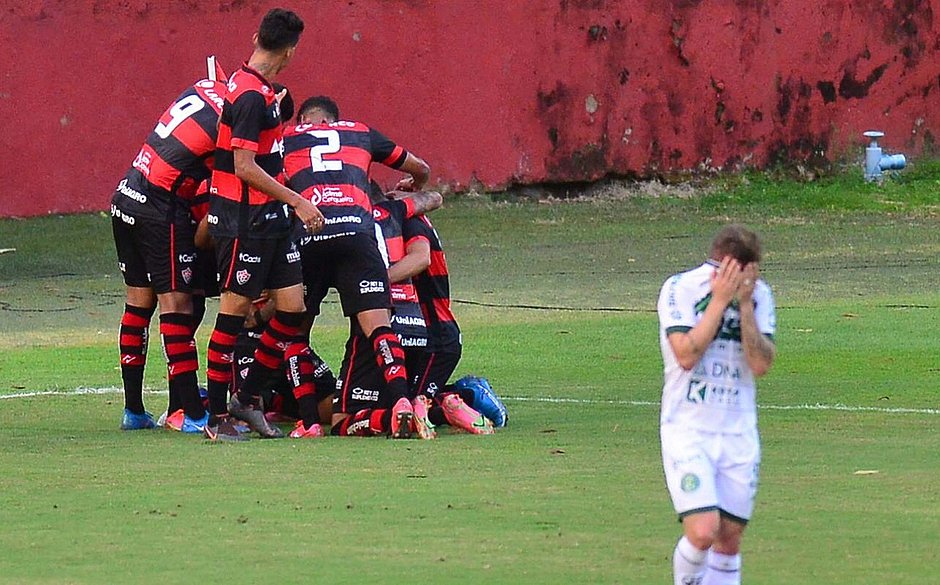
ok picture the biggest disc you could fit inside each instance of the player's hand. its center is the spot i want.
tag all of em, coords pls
(406, 184)
(749, 276)
(725, 280)
(311, 217)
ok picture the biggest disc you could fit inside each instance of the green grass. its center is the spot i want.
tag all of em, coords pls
(570, 492)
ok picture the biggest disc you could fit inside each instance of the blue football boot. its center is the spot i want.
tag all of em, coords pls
(135, 422)
(484, 399)
(195, 425)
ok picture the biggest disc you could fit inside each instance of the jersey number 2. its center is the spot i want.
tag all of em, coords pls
(332, 146)
(181, 110)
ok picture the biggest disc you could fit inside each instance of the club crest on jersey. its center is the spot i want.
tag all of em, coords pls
(242, 276)
(187, 274)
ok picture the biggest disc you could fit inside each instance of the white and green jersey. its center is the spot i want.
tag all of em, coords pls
(718, 394)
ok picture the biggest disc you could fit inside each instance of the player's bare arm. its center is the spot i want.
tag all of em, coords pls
(416, 260)
(248, 170)
(423, 201)
(690, 346)
(759, 350)
(418, 169)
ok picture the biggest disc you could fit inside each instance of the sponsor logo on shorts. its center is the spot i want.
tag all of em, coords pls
(243, 373)
(133, 194)
(187, 274)
(122, 266)
(293, 255)
(248, 258)
(371, 286)
(212, 219)
(294, 372)
(414, 341)
(245, 360)
(690, 482)
(432, 389)
(364, 394)
(409, 320)
(128, 219)
(242, 276)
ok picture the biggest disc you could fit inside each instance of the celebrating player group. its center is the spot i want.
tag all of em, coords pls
(230, 196)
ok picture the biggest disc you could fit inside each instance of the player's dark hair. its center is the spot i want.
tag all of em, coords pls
(287, 104)
(319, 102)
(280, 29)
(736, 241)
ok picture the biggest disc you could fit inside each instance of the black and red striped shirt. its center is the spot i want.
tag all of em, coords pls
(329, 165)
(177, 155)
(433, 286)
(407, 318)
(250, 120)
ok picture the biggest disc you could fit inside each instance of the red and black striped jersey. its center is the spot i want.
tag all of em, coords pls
(176, 156)
(433, 286)
(250, 120)
(390, 216)
(329, 165)
(407, 317)
(198, 201)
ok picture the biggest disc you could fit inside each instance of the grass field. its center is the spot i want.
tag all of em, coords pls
(557, 305)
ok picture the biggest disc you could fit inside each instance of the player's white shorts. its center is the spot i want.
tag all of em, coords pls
(709, 471)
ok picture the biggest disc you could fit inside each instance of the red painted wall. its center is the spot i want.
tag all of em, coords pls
(494, 92)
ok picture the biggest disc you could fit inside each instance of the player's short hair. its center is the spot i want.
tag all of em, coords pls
(319, 102)
(287, 104)
(736, 241)
(280, 29)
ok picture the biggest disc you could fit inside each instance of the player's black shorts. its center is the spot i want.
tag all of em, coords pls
(360, 383)
(408, 322)
(430, 370)
(155, 254)
(247, 266)
(206, 277)
(353, 266)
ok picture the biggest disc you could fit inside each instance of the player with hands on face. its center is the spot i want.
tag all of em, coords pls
(717, 323)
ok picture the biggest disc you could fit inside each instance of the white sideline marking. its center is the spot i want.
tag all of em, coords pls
(80, 391)
(817, 406)
(84, 390)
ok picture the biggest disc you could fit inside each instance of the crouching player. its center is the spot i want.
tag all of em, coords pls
(460, 404)
(716, 334)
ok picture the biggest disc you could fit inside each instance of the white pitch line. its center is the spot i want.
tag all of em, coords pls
(85, 391)
(80, 391)
(817, 406)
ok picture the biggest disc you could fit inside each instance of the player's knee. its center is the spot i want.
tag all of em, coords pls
(702, 532)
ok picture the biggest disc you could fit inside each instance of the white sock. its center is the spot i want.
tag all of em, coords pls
(688, 563)
(722, 569)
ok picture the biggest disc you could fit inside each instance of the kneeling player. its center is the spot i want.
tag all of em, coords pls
(459, 403)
